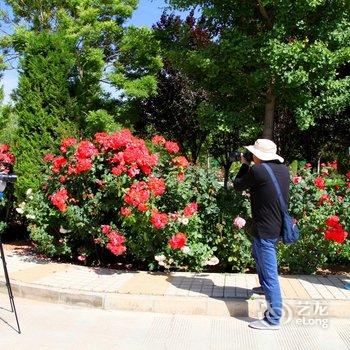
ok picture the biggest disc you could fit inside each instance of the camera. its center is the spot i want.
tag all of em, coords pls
(236, 156)
(8, 177)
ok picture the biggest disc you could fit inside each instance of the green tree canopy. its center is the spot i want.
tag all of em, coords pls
(270, 54)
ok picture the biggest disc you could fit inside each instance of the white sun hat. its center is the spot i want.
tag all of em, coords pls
(265, 149)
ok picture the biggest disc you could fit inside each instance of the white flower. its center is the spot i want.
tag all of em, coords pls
(29, 191)
(183, 220)
(212, 261)
(186, 249)
(63, 230)
(22, 205)
(167, 266)
(30, 217)
(171, 261)
(19, 210)
(161, 263)
(160, 257)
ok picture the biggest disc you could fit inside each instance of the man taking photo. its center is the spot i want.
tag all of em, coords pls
(267, 222)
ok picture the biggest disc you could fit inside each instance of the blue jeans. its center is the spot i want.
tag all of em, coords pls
(264, 253)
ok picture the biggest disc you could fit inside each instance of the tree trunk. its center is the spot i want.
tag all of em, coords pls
(269, 113)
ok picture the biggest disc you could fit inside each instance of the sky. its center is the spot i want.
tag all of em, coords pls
(147, 13)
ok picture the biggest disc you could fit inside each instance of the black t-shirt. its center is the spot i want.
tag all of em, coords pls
(266, 210)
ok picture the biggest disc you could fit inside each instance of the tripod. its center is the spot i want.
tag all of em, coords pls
(8, 284)
(4, 178)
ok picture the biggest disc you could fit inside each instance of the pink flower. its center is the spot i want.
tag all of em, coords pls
(82, 258)
(296, 179)
(308, 166)
(239, 222)
(348, 174)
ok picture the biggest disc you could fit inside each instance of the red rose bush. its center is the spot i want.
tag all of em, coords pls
(119, 196)
(321, 204)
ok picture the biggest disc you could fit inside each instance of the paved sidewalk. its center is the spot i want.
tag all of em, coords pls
(48, 326)
(220, 294)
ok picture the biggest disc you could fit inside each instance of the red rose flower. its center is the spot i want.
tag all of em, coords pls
(58, 163)
(348, 174)
(178, 241)
(324, 198)
(116, 249)
(159, 220)
(319, 183)
(115, 244)
(83, 165)
(296, 179)
(138, 193)
(59, 199)
(158, 140)
(156, 185)
(115, 238)
(333, 164)
(118, 170)
(181, 177)
(105, 229)
(66, 143)
(86, 149)
(181, 161)
(190, 209)
(172, 147)
(4, 148)
(125, 211)
(333, 221)
(49, 157)
(336, 234)
(142, 207)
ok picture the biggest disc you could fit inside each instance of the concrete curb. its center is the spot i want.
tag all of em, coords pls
(228, 307)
